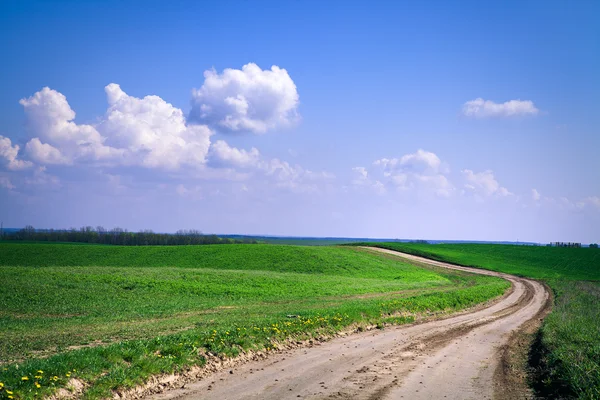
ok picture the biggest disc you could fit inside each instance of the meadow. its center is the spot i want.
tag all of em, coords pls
(565, 360)
(112, 316)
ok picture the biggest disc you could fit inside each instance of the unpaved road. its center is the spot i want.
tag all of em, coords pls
(454, 358)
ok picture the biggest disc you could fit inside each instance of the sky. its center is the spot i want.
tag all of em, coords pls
(416, 120)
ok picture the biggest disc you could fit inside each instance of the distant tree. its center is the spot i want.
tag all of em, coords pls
(594, 245)
(119, 236)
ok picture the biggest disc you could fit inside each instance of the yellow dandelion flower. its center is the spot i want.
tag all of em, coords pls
(68, 374)
(25, 378)
(1, 385)
(37, 385)
(40, 371)
(10, 397)
(9, 392)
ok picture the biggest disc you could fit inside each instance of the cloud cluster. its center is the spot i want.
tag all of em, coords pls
(362, 179)
(480, 108)
(147, 132)
(9, 156)
(56, 138)
(483, 183)
(422, 170)
(151, 132)
(281, 172)
(250, 99)
(221, 154)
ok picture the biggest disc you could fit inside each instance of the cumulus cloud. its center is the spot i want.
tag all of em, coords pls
(480, 108)
(421, 170)
(250, 99)
(49, 117)
(535, 195)
(484, 183)
(44, 153)
(221, 154)
(147, 132)
(9, 155)
(151, 132)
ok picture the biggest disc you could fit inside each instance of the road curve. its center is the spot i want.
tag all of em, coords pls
(453, 358)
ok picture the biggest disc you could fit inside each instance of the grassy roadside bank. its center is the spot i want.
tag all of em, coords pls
(566, 357)
(110, 317)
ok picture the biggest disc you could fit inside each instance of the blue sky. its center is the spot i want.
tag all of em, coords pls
(437, 120)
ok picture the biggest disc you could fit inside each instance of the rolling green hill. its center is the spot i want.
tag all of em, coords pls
(112, 316)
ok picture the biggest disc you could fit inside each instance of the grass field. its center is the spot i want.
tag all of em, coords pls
(112, 316)
(569, 340)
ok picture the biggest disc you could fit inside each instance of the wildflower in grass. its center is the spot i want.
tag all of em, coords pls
(25, 378)
(40, 371)
(8, 392)
(37, 385)
(1, 385)
(10, 397)
(68, 374)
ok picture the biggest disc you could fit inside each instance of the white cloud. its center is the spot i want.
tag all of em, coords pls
(9, 154)
(535, 195)
(294, 177)
(50, 118)
(481, 108)
(250, 99)
(279, 172)
(422, 170)
(152, 132)
(221, 154)
(484, 183)
(44, 153)
(148, 132)
(362, 179)
(419, 162)
(362, 175)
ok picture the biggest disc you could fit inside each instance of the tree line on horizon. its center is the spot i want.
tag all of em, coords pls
(119, 236)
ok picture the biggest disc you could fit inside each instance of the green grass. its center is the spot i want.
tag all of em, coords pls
(113, 316)
(538, 262)
(569, 340)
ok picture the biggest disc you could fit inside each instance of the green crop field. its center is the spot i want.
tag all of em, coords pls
(569, 340)
(112, 316)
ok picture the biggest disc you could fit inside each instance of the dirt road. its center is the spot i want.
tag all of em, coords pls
(454, 358)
